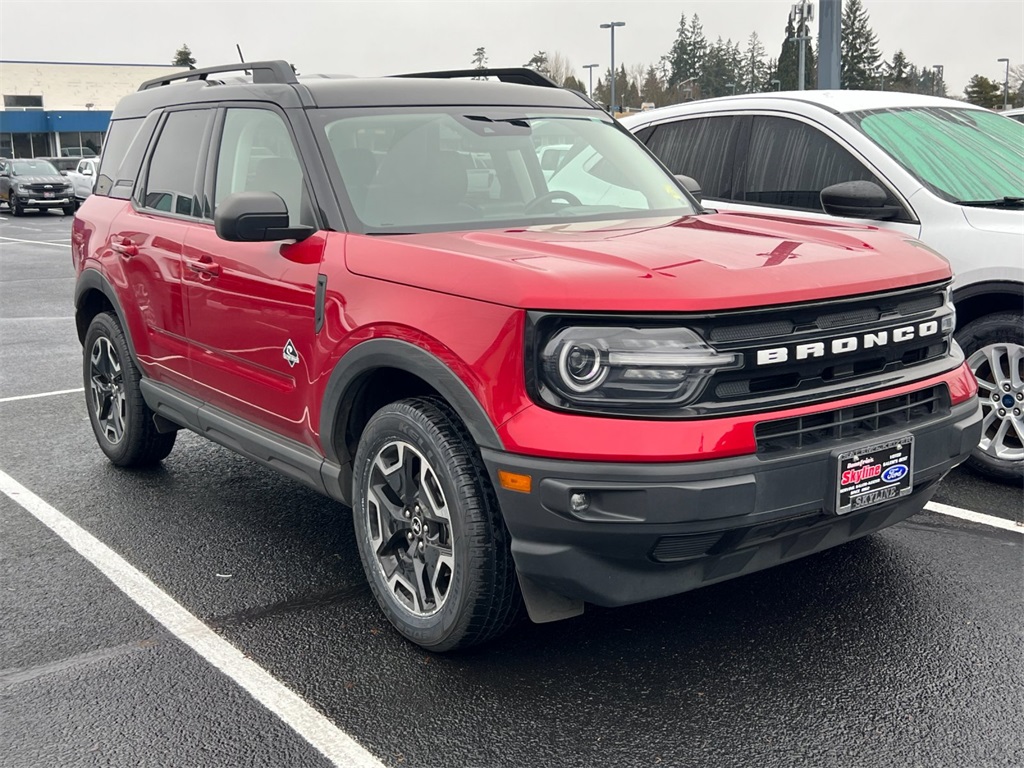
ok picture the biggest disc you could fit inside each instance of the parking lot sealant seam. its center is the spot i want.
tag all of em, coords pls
(333, 743)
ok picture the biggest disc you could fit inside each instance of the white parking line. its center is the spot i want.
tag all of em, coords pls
(974, 517)
(41, 394)
(333, 743)
(36, 242)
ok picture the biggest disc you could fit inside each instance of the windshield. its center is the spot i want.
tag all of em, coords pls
(33, 168)
(440, 168)
(962, 155)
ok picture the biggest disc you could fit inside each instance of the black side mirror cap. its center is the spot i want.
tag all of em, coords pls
(256, 217)
(858, 199)
(691, 185)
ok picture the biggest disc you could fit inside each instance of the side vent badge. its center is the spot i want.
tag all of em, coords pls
(290, 354)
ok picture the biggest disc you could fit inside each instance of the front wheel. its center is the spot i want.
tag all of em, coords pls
(430, 534)
(69, 210)
(16, 209)
(994, 346)
(121, 420)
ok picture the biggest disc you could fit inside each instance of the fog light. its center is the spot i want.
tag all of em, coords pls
(579, 502)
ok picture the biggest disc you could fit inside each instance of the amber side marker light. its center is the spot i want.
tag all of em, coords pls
(510, 481)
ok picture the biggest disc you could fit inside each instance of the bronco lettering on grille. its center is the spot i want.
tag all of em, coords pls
(848, 344)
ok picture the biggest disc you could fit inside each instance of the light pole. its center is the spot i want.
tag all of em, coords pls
(801, 13)
(610, 26)
(590, 71)
(733, 87)
(940, 69)
(1006, 82)
(777, 84)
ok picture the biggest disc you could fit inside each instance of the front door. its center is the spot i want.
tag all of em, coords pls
(251, 306)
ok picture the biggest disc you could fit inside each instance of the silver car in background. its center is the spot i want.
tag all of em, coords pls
(945, 172)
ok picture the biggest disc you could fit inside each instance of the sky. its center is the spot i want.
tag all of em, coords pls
(379, 37)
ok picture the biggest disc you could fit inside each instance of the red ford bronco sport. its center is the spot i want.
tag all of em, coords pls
(540, 386)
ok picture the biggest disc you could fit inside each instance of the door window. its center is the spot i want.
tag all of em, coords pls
(702, 148)
(790, 162)
(257, 155)
(172, 183)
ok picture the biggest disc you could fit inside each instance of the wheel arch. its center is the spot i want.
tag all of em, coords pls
(94, 294)
(380, 371)
(980, 299)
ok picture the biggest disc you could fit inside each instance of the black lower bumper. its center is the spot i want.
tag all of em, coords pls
(652, 530)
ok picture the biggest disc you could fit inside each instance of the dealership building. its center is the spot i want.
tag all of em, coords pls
(53, 109)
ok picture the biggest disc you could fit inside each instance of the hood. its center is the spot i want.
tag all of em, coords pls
(48, 179)
(1008, 221)
(698, 263)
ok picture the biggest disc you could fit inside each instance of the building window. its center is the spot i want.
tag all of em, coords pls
(22, 102)
(80, 144)
(6, 145)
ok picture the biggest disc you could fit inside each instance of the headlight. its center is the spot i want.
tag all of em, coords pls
(638, 367)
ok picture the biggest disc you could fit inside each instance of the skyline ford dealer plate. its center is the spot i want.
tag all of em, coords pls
(874, 474)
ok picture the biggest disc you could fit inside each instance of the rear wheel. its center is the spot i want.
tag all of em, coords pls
(430, 534)
(121, 420)
(994, 345)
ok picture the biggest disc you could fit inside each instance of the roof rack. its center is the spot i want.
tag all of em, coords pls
(262, 72)
(518, 75)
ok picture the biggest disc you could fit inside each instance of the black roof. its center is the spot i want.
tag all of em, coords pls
(275, 81)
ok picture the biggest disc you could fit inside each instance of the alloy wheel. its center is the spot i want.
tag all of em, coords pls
(409, 528)
(106, 387)
(999, 369)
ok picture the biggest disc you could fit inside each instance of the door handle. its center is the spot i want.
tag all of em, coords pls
(208, 268)
(126, 248)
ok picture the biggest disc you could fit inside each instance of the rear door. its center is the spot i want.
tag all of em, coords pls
(148, 236)
(251, 306)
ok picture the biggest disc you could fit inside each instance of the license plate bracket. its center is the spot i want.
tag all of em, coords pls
(872, 474)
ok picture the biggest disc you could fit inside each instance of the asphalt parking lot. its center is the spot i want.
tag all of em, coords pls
(900, 649)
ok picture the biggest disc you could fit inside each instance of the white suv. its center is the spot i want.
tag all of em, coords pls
(942, 171)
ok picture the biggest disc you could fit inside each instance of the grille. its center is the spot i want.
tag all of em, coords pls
(40, 188)
(672, 548)
(855, 421)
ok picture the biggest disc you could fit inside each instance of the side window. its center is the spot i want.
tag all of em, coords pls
(257, 155)
(702, 148)
(171, 183)
(790, 162)
(119, 138)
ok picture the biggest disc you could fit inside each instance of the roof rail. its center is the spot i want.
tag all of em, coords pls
(519, 75)
(262, 72)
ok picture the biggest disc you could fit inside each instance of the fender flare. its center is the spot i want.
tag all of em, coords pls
(392, 353)
(94, 280)
(1009, 287)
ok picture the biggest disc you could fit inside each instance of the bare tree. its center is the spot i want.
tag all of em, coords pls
(559, 67)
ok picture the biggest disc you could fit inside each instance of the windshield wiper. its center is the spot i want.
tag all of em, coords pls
(1001, 202)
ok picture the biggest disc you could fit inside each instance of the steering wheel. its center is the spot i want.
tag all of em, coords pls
(550, 197)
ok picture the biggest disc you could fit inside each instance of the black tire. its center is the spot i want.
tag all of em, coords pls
(471, 597)
(121, 420)
(994, 347)
(69, 210)
(16, 210)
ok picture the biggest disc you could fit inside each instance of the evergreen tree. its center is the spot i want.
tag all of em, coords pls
(480, 58)
(721, 67)
(574, 84)
(788, 66)
(183, 58)
(754, 71)
(538, 63)
(652, 91)
(897, 74)
(983, 92)
(859, 46)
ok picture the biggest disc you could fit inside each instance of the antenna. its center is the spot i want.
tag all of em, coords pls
(241, 58)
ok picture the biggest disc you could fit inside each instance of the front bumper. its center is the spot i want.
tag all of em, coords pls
(653, 530)
(34, 201)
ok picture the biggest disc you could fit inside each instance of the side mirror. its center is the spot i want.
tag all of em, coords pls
(63, 173)
(256, 217)
(858, 199)
(691, 185)
(87, 171)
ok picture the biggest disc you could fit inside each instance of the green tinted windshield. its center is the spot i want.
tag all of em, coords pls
(461, 168)
(959, 154)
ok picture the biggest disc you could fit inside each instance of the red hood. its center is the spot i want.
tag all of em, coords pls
(716, 261)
